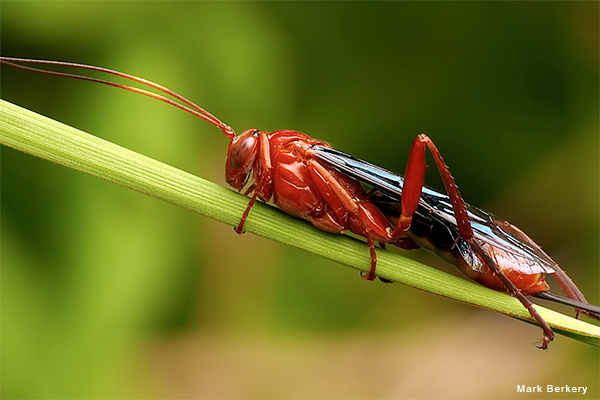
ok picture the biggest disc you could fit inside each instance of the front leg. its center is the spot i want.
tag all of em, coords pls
(263, 178)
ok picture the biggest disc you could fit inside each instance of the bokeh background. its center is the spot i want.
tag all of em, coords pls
(107, 293)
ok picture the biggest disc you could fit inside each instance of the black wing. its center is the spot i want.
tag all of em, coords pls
(488, 229)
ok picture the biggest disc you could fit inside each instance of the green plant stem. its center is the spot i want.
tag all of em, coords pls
(42, 137)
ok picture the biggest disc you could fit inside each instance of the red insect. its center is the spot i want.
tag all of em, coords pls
(287, 167)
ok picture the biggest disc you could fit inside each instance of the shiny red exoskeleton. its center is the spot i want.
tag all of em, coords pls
(283, 167)
(285, 171)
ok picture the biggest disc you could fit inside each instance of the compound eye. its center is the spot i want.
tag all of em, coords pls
(243, 149)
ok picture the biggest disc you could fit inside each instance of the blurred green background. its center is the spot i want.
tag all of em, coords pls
(107, 293)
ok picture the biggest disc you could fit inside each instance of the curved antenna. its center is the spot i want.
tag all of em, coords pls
(193, 108)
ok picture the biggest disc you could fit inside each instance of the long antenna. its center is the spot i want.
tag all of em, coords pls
(192, 109)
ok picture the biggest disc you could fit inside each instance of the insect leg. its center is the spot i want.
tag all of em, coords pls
(342, 203)
(240, 227)
(262, 170)
(413, 184)
(514, 291)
